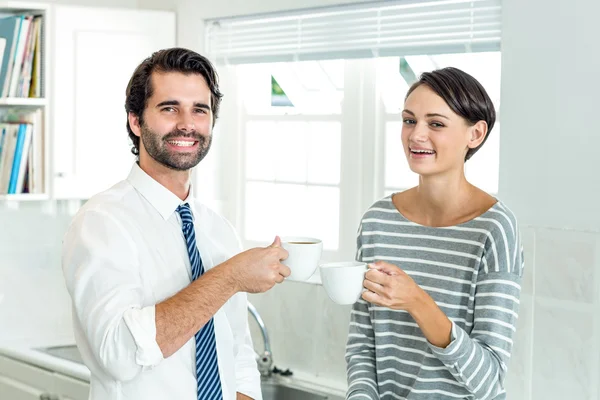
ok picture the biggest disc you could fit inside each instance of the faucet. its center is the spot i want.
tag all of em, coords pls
(265, 359)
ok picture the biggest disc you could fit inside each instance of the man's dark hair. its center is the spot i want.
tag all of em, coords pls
(463, 94)
(139, 89)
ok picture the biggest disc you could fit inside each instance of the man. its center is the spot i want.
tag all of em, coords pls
(157, 284)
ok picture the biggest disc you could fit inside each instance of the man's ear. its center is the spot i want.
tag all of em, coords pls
(134, 124)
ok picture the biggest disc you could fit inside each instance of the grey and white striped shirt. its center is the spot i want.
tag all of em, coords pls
(473, 272)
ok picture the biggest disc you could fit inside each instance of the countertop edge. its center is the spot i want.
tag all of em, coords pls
(35, 357)
(46, 361)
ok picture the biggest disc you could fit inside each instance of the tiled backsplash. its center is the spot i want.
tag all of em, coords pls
(34, 298)
(307, 330)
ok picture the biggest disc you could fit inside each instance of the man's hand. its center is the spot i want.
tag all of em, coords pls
(179, 317)
(241, 396)
(258, 270)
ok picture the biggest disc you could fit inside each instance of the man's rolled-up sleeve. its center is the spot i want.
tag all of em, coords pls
(101, 270)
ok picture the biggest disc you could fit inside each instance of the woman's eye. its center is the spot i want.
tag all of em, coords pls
(408, 121)
(437, 124)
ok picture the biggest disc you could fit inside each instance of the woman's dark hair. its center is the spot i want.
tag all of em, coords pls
(139, 89)
(463, 94)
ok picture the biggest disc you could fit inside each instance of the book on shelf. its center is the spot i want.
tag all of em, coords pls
(20, 56)
(21, 153)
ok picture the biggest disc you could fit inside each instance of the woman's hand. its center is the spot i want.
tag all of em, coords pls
(391, 287)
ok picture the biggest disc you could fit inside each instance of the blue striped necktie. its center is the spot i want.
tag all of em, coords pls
(207, 368)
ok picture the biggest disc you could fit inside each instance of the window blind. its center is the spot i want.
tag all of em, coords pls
(405, 27)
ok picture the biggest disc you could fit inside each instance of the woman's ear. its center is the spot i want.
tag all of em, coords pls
(478, 133)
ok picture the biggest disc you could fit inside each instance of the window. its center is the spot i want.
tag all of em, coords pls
(297, 119)
(313, 87)
(292, 149)
(318, 95)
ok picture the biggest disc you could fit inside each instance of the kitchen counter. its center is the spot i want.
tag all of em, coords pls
(31, 353)
(306, 381)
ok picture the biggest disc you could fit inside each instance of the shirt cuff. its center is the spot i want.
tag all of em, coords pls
(458, 347)
(246, 373)
(142, 325)
(253, 394)
(248, 383)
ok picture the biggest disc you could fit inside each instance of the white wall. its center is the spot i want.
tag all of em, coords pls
(549, 159)
(33, 299)
(549, 170)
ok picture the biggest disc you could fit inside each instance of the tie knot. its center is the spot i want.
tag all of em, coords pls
(185, 213)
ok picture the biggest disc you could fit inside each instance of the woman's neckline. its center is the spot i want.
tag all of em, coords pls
(489, 210)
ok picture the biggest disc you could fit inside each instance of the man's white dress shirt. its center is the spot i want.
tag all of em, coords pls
(124, 253)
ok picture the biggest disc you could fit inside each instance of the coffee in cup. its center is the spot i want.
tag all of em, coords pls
(304, 254)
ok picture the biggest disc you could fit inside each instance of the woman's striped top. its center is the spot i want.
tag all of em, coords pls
(473, 272)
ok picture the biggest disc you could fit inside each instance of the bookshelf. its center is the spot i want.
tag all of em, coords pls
(22, 102)
(24, 108)
(24, 197)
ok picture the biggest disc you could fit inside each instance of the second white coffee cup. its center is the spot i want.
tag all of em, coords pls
(304, 254)
(343, 281)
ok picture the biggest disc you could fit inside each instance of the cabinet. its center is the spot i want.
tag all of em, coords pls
(95, 51)
(22, 381)
(15, 390)
(68, 388)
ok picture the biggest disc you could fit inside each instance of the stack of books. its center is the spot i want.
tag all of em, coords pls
(20, 56)
(21, 156)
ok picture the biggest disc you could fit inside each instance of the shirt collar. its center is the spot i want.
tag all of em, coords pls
(161, 198)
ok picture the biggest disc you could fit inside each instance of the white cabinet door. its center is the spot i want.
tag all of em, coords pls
(11, 389)
(94, 53)
(21, 381)
(68, 388)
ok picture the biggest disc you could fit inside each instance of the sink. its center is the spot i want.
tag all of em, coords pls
(276, 391)
(70, 353)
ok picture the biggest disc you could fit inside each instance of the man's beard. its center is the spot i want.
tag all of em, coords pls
(156, 148)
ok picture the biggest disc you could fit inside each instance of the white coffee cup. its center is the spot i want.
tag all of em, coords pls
(343, 281)
(304, 254)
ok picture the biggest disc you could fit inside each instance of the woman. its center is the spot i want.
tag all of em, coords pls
(438, 315)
